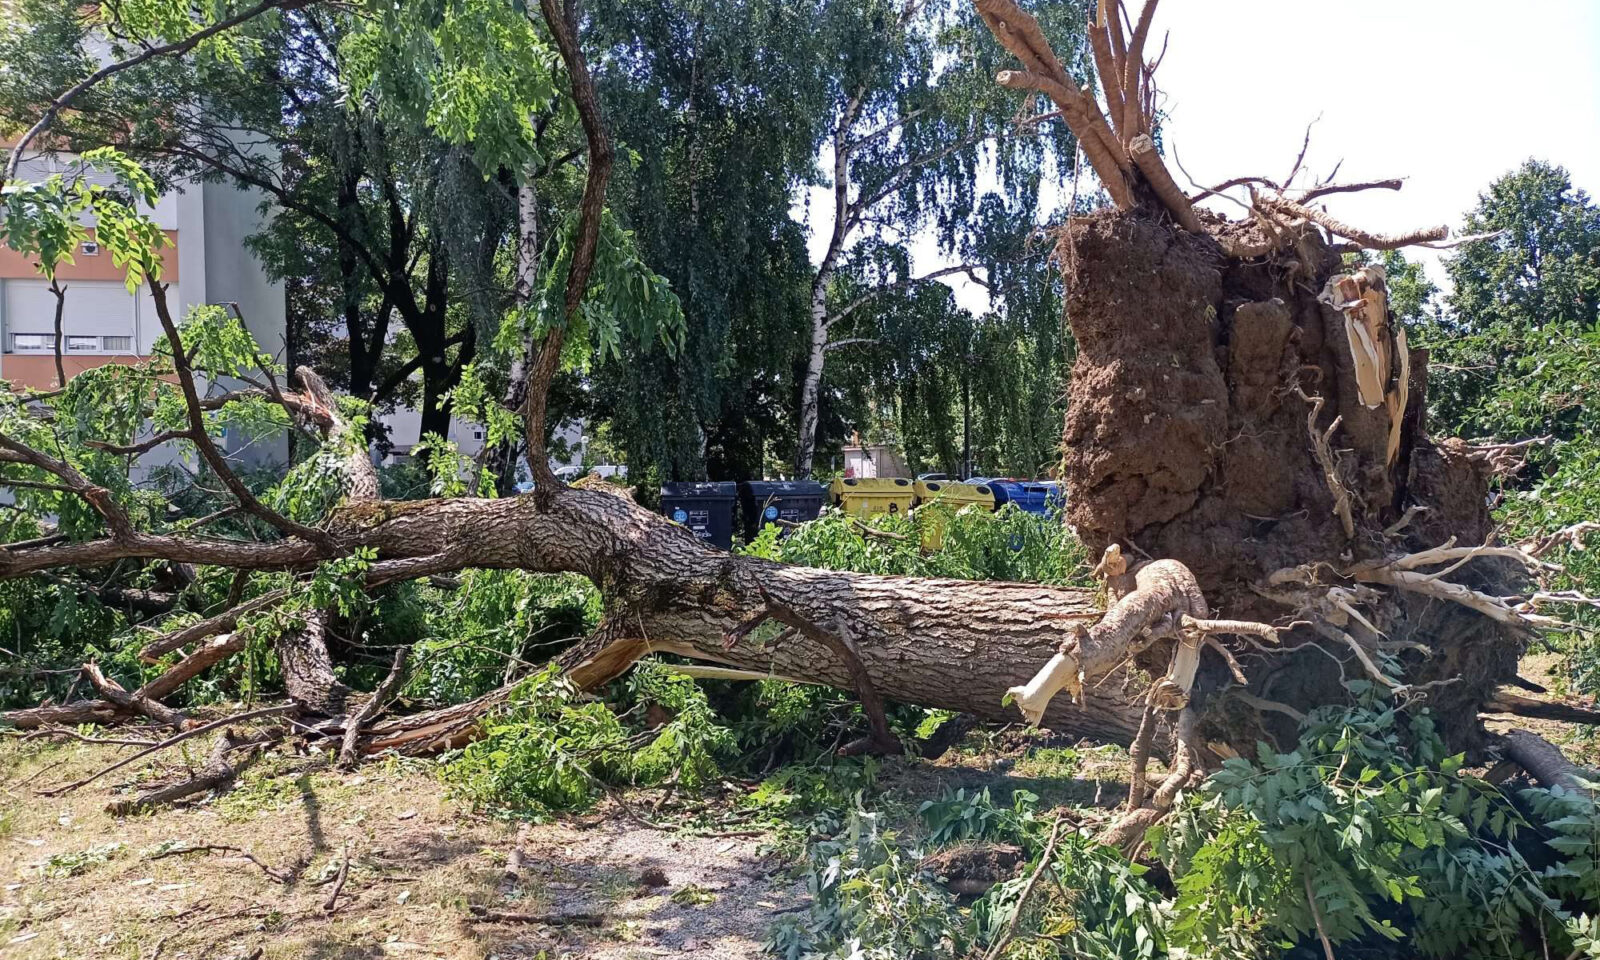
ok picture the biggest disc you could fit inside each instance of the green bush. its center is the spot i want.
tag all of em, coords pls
(1006, 544)
(1395, 844)
(542, 751)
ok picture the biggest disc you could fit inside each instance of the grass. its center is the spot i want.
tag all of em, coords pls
(83, 882)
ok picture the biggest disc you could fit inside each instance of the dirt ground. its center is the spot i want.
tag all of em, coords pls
(428, 877)
(80, 883)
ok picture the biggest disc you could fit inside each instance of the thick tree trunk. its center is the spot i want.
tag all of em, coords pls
(944, 643)
(308, 670)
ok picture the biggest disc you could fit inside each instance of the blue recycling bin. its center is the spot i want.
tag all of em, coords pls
(1038, 497)
(766, 501)
(705, 508)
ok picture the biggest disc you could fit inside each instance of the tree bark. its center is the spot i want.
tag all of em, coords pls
(952, 644)
(811, 386)
(308, 669)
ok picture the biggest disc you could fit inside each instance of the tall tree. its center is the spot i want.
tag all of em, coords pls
(718, 105)
(1520, 302)
(913, 114)
(386, 230)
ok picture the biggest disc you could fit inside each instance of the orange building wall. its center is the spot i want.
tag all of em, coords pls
(14, 266)
(37, 371)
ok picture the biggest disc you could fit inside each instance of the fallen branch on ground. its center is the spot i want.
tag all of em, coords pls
(274, 875)
(349, 751)
(185, 735)
(485, 915)
(219, 771)
(331, 903)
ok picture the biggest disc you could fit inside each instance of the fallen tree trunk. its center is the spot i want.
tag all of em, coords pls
(1544, 761)
(952, 644)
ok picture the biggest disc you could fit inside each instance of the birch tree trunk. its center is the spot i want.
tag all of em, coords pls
(811, 389)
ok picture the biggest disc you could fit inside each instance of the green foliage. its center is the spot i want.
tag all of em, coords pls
(545, 750)
(958, 816)
(625, 299)
(1370, 822)
(1571, 822)
(542, 751)
(870, 899)
(1007, 544)
(477, 72)
(468, 636)
(686, 748)
(62, 865)
(1113, 911)
(45, 220)
(874, 896)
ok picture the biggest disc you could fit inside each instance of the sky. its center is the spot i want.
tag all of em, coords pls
(1449, 94)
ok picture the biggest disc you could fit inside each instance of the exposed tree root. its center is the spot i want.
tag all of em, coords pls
(1128, 831)
(1148, 604)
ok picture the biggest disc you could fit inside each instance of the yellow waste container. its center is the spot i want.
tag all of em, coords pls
(950, 495)
(865, 497)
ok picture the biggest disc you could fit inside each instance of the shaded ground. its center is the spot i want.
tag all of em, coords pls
(78, 882)
(1579, 743)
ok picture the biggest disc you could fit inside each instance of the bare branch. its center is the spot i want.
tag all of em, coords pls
(848, 342)
(967, 268)
(179, 738)
(1229, 185)
(349, 750)
(1372, 241)
(1394, 183)
(143, 446)
(227, 620)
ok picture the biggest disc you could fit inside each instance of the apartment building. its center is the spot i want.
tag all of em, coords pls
(206, 262)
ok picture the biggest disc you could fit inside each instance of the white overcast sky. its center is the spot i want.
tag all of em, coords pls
(1449, 94)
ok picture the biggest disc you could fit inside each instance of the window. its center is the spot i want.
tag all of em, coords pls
(83, 344)
(32, 341)
(117, 344)
(477, 433)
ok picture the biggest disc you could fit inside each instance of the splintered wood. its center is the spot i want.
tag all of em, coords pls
(1382, 358)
